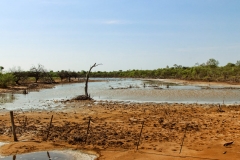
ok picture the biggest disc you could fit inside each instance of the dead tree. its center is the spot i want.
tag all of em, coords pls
(37, 72)
(86, 96)
(19, 75)
(87, 77)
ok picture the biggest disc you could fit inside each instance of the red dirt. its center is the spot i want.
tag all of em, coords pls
(115, 128)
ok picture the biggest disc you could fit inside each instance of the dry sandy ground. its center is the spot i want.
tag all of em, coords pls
(114, 131)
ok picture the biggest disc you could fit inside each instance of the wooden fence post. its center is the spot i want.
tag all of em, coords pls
(183, 139)
(49, 127)
(13, 126)
(25, 123)
(140, 134)
(89, 121)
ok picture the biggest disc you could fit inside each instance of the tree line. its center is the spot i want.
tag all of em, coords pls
(209, 71)
(36, 74)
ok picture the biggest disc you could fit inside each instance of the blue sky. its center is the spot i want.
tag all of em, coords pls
(120, 34)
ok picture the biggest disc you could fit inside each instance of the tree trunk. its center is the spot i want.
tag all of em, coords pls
(86, 85)
(87, 77)
(17, 81)
(36, 79)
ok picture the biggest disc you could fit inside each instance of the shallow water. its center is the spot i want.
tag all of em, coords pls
(121, 90)
(58, 155)
(6, 98)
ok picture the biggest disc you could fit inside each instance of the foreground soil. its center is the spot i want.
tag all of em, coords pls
(169, 131)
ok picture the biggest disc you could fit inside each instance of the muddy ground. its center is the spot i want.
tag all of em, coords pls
(169, 131)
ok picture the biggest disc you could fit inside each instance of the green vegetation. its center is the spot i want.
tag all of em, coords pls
(6, 80)
(209, 71)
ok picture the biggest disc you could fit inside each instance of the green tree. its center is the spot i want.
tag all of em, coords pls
(19, 75)
(212, 62)
(61, 74)
(230, 65)
(6, 80)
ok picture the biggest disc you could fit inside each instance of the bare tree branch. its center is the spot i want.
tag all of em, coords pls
(87, 77)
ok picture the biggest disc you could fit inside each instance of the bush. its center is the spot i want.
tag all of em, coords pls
(6, 80)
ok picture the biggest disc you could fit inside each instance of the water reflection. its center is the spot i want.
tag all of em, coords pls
(6, 98)
(50, 155)
(41, 156)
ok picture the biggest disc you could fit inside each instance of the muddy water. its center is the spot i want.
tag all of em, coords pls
(122, 90)
(58, 155)
(6, 98)
(158, 91)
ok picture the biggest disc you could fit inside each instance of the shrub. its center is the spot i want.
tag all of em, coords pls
(6, 80)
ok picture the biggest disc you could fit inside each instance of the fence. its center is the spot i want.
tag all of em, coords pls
(95, 131)
(166, 125)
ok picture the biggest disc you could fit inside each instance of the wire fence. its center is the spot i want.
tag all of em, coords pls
(132, 133)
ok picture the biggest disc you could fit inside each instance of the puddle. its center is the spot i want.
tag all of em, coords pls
(52, 155)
